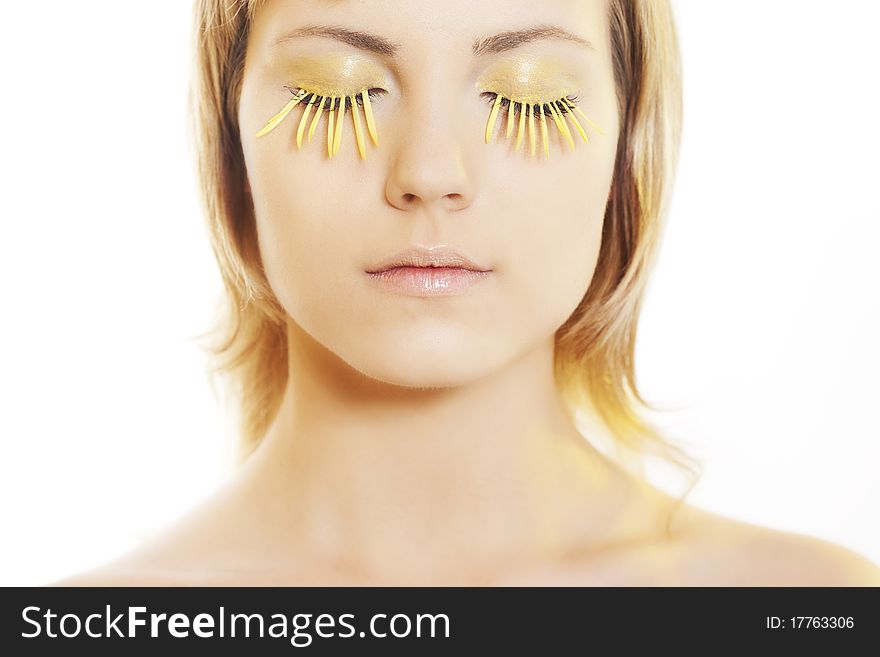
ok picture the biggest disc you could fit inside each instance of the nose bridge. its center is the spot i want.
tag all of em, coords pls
(432, 161)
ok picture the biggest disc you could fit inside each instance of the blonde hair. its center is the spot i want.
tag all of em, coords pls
(594, 357)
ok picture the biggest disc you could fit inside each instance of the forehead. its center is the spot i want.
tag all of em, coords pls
(453, 27)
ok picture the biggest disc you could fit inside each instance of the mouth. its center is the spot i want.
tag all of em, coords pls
(424, 268)
(428, 281)
(427, 258)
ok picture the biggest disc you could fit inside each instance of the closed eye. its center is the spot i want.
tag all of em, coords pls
(527, 114)
(372, 93)
(336, 106)
(506, 103)
(530, 117)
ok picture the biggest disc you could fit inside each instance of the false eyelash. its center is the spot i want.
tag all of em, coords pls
(373, 93)
(337, 107)
(517, 106)
(557, 110)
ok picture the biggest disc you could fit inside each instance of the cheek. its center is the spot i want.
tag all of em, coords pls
(555, 267)
(304, 229)
(552, 234)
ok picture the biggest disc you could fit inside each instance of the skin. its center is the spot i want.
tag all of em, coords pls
(422, 440)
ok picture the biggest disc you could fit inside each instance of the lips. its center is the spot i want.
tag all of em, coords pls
(428, 257)
(428, 281)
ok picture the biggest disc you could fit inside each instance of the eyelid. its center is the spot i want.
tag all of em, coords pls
(323, 89)
(336, 74)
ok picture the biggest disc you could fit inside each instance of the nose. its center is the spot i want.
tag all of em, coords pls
(430, 167)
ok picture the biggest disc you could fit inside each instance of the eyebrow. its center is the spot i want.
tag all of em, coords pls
(514, 38)
(362, 40)
(494, 44)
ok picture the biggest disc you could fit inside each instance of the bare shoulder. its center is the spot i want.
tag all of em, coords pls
(169, 558)
(725, 551)
(160, 561)
(684, 545)
(111, 577)
(198, 549)
(193, 549)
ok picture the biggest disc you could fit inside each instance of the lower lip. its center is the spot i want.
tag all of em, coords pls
(428, 281)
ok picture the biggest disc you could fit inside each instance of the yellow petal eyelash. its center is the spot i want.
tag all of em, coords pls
(579, 127)
(563, 129)
(563, 126)
(358, 134)
(337, 131)
(520, 131)
(335, 118)
(368, 112)
(330, 121)
(492, 116)
(586, 118)
(560, 111)
(302, 121)
(317, 118)
(275, 120)
(531, 129)
(510, 107)
(544, 131)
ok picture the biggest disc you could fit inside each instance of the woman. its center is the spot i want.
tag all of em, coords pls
(435, 223)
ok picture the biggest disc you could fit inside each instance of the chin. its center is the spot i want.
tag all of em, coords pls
(425, 363)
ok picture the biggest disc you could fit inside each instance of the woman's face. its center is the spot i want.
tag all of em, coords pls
(535, 222)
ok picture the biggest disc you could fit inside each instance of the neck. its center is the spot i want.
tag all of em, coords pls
(387, 480)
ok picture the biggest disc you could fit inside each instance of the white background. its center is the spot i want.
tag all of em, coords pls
(760, 326)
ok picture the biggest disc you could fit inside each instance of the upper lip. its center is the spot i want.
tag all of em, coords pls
(422, 256)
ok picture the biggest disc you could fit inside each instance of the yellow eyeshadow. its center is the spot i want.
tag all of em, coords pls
(530, 79)
(335, 75)
(324, 81)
